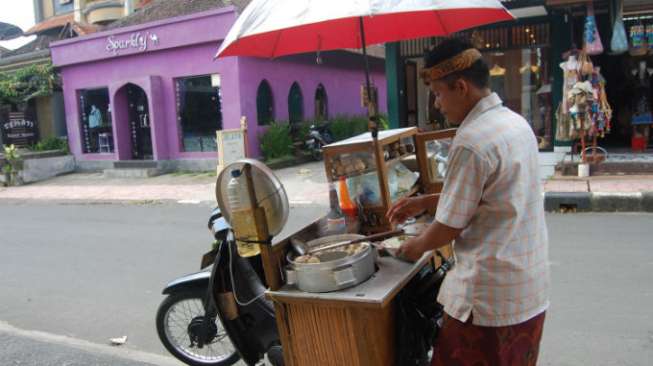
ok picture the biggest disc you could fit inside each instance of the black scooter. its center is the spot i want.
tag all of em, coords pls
(218, 316)
(317, 138)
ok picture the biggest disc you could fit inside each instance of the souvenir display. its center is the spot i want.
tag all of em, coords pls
(592, 39)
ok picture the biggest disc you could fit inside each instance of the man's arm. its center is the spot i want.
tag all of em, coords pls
(435, 236)
(411, 207)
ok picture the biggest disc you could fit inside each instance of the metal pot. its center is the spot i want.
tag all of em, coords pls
(336, 271)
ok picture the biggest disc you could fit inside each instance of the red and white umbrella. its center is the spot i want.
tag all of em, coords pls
(273, 28)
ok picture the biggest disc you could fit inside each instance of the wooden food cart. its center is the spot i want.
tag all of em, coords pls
(354, 326)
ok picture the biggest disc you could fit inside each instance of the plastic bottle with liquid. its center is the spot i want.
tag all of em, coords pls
(238, 198)
(237, 193)
(335, 220)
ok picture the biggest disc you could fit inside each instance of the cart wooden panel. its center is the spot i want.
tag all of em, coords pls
(353, 326)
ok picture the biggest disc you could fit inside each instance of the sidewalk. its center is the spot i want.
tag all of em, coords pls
(602, 184)
(600, 194)
(306, 185)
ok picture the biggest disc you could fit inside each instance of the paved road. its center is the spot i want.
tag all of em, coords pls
(81, 274)
(602, 290)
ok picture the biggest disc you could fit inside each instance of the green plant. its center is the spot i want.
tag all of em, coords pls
(299, 130)
(51, 143)
(343, 127)
(384, 122)
(19, 86)
(276, 141)
(12, 164)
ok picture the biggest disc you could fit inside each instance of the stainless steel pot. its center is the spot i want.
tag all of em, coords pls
(337, 271)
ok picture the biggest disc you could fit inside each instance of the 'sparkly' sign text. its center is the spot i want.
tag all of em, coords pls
(136, 41)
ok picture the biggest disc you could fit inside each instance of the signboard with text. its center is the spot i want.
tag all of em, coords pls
(231, 146)
(18, 128)
(135, 41)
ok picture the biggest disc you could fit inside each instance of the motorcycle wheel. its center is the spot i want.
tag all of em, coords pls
(178, 320)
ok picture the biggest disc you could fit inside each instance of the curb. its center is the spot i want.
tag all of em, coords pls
(598, 201)
(276, 165)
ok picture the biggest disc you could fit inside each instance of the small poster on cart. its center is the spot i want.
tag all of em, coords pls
(232, 145)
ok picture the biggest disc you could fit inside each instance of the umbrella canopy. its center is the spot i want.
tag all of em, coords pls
(9, 31)
(273, 28)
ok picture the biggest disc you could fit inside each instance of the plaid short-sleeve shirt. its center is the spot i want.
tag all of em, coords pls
(492, 191)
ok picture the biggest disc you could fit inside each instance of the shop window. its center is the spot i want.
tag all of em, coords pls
(199, 111)
(95, 118)
(264, 104)
(321, 103)
(521, 78)
(295, 104)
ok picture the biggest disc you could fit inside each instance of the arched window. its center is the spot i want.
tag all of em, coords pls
(321, 104)
(295, 104)
(264, 104)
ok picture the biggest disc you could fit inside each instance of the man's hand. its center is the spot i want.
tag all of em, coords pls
(413, 249)
(406, 208)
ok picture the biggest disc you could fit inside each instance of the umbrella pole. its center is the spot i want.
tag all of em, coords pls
(371, 105)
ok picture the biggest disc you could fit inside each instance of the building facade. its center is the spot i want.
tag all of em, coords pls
(154, 92)
(524, 58)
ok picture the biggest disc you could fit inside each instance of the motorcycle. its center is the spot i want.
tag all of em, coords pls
(317, 138)
(219, 315)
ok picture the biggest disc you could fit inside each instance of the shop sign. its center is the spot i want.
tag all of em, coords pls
(136, 41)
(17, 129)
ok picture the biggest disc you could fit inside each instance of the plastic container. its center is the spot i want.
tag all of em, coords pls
(638, 143)
(346, 205)
(238, 199)
(237, 194)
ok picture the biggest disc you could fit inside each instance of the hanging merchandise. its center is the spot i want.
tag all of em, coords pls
(585, 65)
(619, 41)
(565, 131)
(601, 112)
(649, 37)
(592, 40)
(580, 99)
(564, 127)
(571, 75)
(585, 111)
(638, 42)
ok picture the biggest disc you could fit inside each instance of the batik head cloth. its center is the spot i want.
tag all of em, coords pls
(461, 61)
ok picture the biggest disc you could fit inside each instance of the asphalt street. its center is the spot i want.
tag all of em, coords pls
(72, 276)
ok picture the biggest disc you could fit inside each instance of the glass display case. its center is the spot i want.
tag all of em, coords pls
(375, 175)
(432, 150)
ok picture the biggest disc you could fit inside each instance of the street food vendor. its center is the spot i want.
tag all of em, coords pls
(491, 206)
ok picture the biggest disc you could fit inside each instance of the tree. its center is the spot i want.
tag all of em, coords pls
(17, 87)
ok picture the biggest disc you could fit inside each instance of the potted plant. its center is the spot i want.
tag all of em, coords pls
(12, 166)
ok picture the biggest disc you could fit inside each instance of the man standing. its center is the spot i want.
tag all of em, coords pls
(491, 205)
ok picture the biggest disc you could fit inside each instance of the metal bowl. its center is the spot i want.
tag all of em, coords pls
(331, 275)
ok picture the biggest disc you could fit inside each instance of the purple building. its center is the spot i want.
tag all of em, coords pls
(152, 91)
